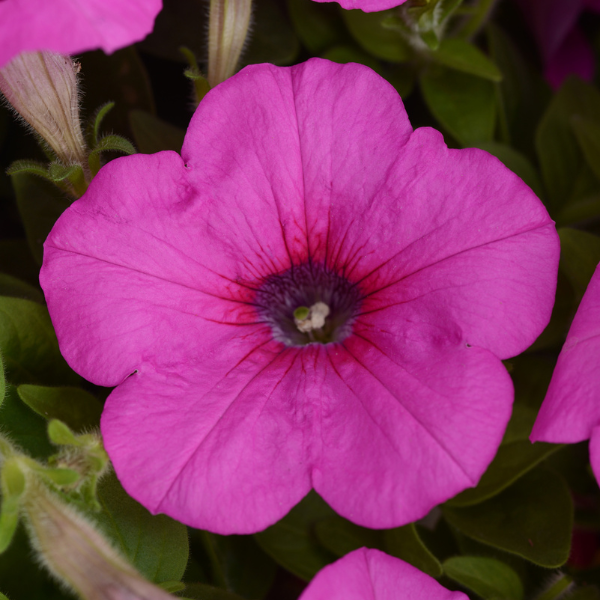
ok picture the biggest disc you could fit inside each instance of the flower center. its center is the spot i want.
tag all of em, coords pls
(308, 304)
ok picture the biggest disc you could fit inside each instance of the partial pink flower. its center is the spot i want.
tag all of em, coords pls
(571, 410)
(177, 279)
(367, 5)
(373, 575)
(73, 26)
(565, 50)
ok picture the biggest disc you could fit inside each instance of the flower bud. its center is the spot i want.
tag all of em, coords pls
(78, 555)
(228, 25)
(42, 89)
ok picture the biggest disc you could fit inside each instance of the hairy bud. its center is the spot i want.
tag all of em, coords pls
(42, 89)
(79, 556)
(227, 30)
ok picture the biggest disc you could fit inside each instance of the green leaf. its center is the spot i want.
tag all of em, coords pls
(96, 122)
(558, 150)
(152, 134)
(15, 288)
(405, 543)
(2, 381)
(156, 545)
(290, 542)
(40, 204)
(202, 591)
(272, 38)
(511, 462)
(369, 30)
(73, 406)
(518, 163)
(239, 564)
(172, 586)
(464, 105)
(124, 82)
(113, 143)
(533, 518)
(32, 167)
(579, 211)
(340, 536)
(579, 257)
(487, 577)
(13, 488)
(463, 56)
(23, 426)
(29, 346)
(318, 25)
(345, 53)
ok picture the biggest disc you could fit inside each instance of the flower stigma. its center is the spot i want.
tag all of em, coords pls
(308, 304)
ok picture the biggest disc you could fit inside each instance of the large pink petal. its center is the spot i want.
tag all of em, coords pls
(253, 159)
(574, 57)
(571, 409)
(70, 27)
(453, 235)
(367, 5)
(372, 575)
(134, 273)
(222, 444)
(410, 419)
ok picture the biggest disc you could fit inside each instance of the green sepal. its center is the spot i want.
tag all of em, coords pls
(33, 167)
(60, 434)
(74, 174)
(489, 578)
(96, 121)
(201, 87)
(57, 475)
(463, 56)
(13, 484)
(109, 143)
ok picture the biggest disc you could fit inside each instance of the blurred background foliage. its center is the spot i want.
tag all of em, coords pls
(531, 528)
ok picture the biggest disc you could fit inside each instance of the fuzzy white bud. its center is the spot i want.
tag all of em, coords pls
(228, 25)
(78, 555)
(42, 89)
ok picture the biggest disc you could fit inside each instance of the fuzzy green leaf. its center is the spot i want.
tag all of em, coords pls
(113, 143)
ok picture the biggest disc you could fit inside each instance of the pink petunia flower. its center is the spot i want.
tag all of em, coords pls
(313, 296)
(571, 409)
(373, 575)
(367, 5)
(565, 50)
(73, 26)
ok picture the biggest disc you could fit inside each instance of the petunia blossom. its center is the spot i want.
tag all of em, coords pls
(196, 285)
(373, 575)
(571, 409)
(564, 48)
(367, 5)
(73, 26)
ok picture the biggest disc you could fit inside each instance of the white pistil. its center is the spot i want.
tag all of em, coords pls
(309, 319)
